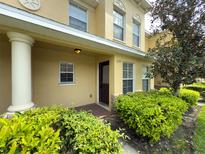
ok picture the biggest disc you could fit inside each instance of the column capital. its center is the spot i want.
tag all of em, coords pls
(14, 36)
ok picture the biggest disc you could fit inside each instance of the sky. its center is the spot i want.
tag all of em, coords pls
(148, 20)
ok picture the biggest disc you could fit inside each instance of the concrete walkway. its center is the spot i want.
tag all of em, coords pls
(129, 149)
(201, 102)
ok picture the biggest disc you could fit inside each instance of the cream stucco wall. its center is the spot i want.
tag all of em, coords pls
(46, 58)
(100, 19)
(45, 75)
(132, 10)
(46, 87)
(151, 40)
(118, 73)
(58, 11)
(5, 73)
(51, 9)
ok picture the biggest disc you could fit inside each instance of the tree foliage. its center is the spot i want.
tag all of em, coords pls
(180, 59)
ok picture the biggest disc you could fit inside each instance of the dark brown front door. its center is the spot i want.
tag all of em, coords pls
(104, 82)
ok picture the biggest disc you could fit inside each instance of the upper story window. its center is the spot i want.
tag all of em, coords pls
(78, 17)
(136, 34)
(118, 25)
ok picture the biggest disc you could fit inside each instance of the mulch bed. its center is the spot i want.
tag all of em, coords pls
(180, 142)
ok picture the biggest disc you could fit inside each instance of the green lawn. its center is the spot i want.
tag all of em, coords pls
(199, 138)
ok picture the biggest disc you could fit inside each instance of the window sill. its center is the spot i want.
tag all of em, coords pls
(66, 84)
(136, 47)
(119, 41)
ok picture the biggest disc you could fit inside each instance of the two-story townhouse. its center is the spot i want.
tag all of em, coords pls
(71, 52)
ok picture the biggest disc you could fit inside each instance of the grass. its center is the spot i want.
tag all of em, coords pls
(199, 138)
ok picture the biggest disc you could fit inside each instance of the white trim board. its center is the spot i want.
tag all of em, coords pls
(51, 28)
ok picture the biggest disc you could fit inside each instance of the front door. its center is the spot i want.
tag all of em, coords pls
(104, 82)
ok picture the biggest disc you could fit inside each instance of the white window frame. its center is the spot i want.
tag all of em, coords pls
(82, 8)
(66, 83)
(135, 22)
(121, 12)
(146, 78)
(133, 76)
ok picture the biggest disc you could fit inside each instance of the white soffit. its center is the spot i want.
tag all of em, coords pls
(92, 3)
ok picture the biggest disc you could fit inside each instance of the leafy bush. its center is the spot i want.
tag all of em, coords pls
(87, 134)
(30, 132)
(190, 96)
(152, 114)
(200, 87)
(165, 91)
(57, 130)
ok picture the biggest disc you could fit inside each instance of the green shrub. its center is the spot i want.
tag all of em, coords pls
(30, 132)
(152, 114)
(190, 96)
(200, 87)
(86, 134)
(165, 91)
(57, 130)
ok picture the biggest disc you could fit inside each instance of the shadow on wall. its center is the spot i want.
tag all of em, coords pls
(5, 73)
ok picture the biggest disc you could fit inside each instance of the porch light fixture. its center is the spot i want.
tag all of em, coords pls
(77, 51)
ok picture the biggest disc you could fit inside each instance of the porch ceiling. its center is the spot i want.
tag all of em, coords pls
(47, 30)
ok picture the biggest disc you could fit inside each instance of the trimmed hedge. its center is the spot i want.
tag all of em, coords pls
(200, 87)
(190, 96)
(165, 91)
(153, 115)
(57, 130)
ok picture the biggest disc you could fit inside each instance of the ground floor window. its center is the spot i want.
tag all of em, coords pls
(66, 73)
(128, 79)
(145, 79)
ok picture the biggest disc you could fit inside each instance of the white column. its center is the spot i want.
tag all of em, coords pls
(21, 71)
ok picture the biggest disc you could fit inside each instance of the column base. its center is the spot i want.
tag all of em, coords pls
(20, 108)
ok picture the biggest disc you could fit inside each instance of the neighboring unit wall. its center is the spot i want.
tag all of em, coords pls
(151, 39)
(5, 73)
(150, 44)
(46, 87)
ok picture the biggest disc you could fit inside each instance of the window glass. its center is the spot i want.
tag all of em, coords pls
(145, 84)
(66, 73)
(118, 19)
(127, 86)
(136, 34)
(127, 77)
(77, 18)
(118, 32)
(118, 22)
(145, 79)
